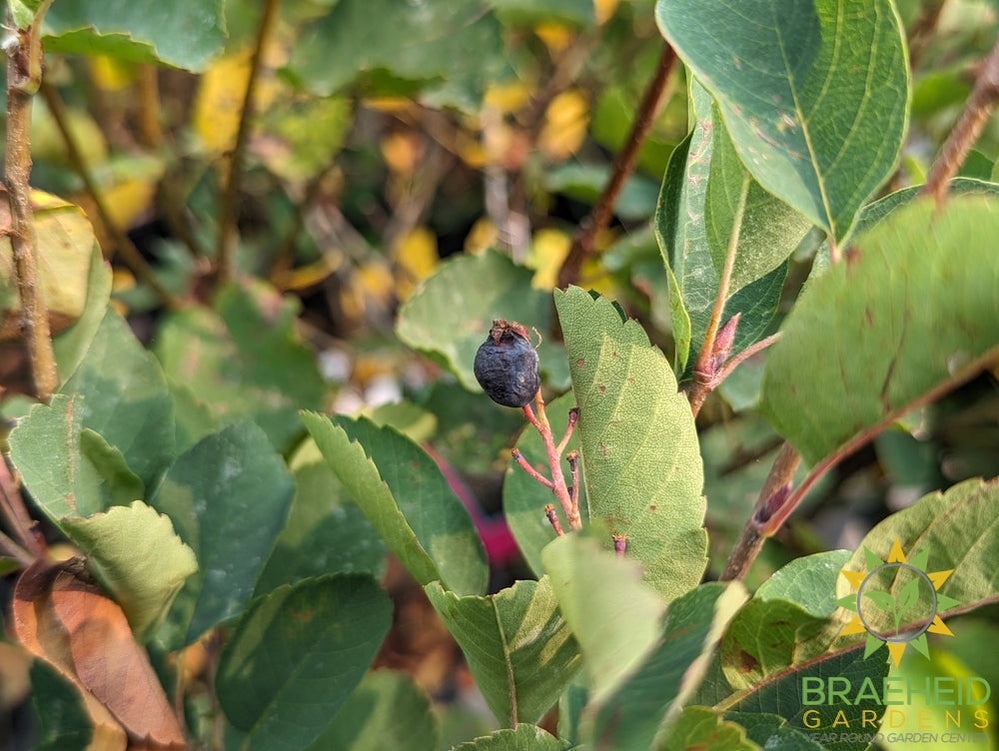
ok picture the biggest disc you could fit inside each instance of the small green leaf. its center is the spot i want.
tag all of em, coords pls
(326, 532)
(524, 737)
(913, 312)
(320, 636)
(64, 723)
(406, 499)
(228, 497)
(824, 149)
(882, 600)
(703, 729)
(518, 646)
(786, 622)
(770, 731)
(615, 617)
(243, 359)
(183, 34)
(386, 711)
(450, 314)
(447, 50)
(45, 448)
(694, 623)
(138, 557)
(126, 398)
(640, 455)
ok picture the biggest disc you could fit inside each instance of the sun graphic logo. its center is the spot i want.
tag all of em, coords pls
(896, 602)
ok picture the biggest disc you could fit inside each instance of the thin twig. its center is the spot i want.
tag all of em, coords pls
(977, 110)
(531, 471)
(740, 358)
(24, 71)
(553, 520)
(752, 538)
(129, 253)
(560, 490)
(230, 196)
(624, 164)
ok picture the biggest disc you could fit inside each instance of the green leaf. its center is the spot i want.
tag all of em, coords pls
(228, 497)
(386, 711)
(615, 617)
(406, 499)
(522, 738)
(958, 530)
(183, 34)
(447, 50)
(578, 12)
(822, 148)
(325, 533)
(126, 399)
(518, 646)
(524, 498)
(138, 557)
(785, 695)
(694, 623)
(244, 359)
(450, 313)
(640, 456)
(703, 729)
(46, 449)
(64, 723)
(773, 732)
(695, 218)
(296, 655)
(786, 622)
(912, 313)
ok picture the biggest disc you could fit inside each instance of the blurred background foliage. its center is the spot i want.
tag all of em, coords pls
(388, 138)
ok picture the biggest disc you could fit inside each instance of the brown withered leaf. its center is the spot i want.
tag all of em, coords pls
(62, 616)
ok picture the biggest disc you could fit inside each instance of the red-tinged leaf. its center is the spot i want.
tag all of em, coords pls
(63, 617)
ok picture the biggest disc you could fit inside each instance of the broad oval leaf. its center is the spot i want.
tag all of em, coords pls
(320, 636)
(956, 530)
(228, 497)
(407, 500)
(387, 710)
(813, 94)
(446, 50)
(182, 34)
(640, 455)
(912, 313)
(698, 211)
(518, 646)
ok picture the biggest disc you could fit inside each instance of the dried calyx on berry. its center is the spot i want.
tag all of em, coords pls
(506, 365)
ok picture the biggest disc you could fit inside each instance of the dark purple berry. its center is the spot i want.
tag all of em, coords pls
(506, 365)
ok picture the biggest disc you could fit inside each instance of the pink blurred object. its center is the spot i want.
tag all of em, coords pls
(501, 548)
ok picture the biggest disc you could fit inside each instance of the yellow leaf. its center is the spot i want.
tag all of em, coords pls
(482, 236)
(66, 245)
(109, 74)
(415, 259)
(219, 101)
(555, 36)
(548, 251)
(564, 129)
(401, 152)
(604, 9)
(507, 97)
